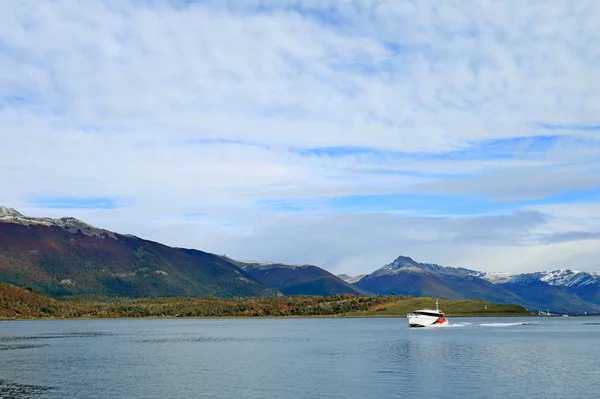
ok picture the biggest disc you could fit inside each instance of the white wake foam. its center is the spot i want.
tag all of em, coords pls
(480, 325)
(504, 324)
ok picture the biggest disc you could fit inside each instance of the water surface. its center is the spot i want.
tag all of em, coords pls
(300, 358)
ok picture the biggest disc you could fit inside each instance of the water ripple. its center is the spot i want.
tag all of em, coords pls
(10, 390)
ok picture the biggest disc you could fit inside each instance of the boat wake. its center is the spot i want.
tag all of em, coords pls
(459, 325)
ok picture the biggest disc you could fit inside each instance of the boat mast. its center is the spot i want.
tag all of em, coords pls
(436, 305)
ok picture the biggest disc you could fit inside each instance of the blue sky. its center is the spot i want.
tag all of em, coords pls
(341, 134)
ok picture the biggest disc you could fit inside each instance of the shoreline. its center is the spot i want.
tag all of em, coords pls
(20, 304)
(258, 317)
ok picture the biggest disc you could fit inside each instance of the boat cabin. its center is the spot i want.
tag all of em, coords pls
(427, 312)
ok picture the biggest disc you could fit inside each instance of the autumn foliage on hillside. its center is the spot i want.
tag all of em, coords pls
(21, 303)
(16, 302)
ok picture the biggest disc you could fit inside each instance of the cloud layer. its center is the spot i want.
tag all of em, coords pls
(336, 133)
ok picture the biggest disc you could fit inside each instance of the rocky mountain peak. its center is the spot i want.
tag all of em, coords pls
(407, 264)
(71, 224)
(8, 212)
(399, 264)
(404, 261)
(568, 277)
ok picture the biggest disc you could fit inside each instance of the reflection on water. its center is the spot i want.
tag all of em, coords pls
(19, 391)
(299, 358)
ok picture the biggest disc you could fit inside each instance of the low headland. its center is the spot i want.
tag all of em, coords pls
(20, 303)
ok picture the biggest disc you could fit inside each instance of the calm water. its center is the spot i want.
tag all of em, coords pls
(300, 358)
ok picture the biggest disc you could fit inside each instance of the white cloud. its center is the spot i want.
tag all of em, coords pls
(518, 184)
(206, 108)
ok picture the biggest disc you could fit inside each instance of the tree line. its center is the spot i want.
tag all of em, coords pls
(20, 303)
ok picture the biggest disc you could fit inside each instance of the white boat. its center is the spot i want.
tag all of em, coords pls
(427, 317)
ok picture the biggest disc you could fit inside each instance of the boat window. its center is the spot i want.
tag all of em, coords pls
(427, 314)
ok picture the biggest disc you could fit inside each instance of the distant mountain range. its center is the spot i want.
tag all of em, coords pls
(298, 279)
(567, 291)
(67, 256)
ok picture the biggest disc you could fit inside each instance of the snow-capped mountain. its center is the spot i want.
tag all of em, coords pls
(69, 257)
(583, 285)
(559, 290)
(41, 245)
(558, 278)
(10, 215)
(568, 278)
(405, 276)
(8, 212)
(404, 263)
(522, 279)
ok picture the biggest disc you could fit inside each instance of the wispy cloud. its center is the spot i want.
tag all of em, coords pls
(264, 115)
(74, 202)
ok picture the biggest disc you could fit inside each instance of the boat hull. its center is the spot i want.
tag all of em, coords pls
(426, 321)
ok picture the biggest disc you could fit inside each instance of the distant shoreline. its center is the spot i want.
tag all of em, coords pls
(21, 304)
(252, 317)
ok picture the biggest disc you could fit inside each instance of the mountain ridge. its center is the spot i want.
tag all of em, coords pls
(564, 290)
(71, 224)
(294, 279)
(405, 276)
(66, 256)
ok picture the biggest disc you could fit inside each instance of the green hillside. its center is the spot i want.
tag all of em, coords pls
(400, 306)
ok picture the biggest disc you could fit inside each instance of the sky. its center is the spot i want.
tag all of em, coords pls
(336, 133)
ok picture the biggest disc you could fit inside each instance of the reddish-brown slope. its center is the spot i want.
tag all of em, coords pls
(59, 262)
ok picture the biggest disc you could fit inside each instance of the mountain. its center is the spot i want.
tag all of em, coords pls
(560, 291)
(556, 298)
(297, 279)
(404, 276)
(568, 278)
(350, 279)
(69, 257)
(584, 285)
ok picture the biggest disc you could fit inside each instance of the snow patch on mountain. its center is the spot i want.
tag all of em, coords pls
(350, 279)
(559, 278)
(73, 225)
(8, 212)
(496, 277)
(522, 279)
(568, 278)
